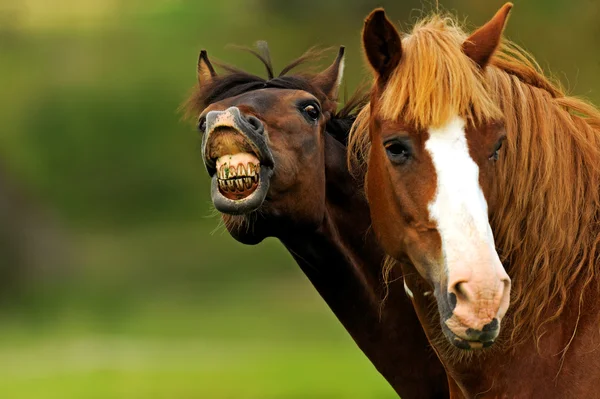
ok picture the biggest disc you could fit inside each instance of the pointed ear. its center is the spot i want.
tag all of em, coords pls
(330, 79)
(206, 72)
(381, 43)
(482, 44)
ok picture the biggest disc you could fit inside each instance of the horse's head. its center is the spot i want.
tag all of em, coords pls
(263, 146)
(431, 163)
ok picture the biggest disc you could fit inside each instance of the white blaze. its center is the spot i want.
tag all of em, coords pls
(459, 207)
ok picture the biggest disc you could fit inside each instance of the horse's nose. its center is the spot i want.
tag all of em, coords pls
(227, 118)
(478, 298)
(255, 124)
(235, 118)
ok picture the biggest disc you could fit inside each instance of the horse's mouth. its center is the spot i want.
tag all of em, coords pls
(466, 344)
(241, 169)
(238, 175)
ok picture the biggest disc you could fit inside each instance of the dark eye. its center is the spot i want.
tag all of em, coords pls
(496, 154)
(202, 125)
(398, 151)
(311, 111)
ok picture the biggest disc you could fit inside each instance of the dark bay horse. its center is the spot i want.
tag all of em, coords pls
(275, 149)
(483, 177)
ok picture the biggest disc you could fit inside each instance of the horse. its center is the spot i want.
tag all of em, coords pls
(275, 150)
(483, 181)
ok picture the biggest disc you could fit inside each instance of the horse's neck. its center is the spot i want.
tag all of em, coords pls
(341, 257)
(343, 261)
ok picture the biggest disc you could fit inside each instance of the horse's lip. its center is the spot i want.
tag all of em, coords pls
(264, 157)
(258, 145)
(245, 205)
(466, 344)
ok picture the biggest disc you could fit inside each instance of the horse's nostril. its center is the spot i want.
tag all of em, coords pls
(255, 123)
(452, 300)
(459, 291)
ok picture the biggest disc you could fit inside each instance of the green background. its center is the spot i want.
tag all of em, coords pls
(116, 280)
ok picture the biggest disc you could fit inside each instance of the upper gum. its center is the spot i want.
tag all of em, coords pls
(237, 159)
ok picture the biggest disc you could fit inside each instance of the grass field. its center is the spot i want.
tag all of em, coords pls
(256, 347)
(261, 336)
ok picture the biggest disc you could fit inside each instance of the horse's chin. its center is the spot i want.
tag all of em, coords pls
(245, 229)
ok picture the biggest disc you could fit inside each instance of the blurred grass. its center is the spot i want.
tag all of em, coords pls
(189, 369)
(239, 344)
(131, 365)
(225, 333)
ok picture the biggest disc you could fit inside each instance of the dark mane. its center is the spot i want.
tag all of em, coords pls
(340, 124)
(235, 82)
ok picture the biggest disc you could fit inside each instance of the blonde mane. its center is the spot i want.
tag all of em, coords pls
(546, 218)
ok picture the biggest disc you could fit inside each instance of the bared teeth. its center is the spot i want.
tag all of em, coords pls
(241, 185)
(226, 172)
(238, 175)
(238, 184)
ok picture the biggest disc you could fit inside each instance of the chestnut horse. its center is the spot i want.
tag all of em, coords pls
(460, 214)
(276, 152)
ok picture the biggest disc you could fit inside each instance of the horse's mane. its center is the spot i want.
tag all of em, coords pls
(341, 122)
(235, 82)
(545, 218)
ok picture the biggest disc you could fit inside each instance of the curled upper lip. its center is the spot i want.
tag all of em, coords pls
(211, 161)
(232, 119)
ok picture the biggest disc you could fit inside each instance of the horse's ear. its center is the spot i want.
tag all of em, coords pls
(482, 44)
(206, 72)
(330, 79)
(382, 44)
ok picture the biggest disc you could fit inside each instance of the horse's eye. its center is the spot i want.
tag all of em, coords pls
(398, 151)
(312, 112)
(496, 154)
(202, 125)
